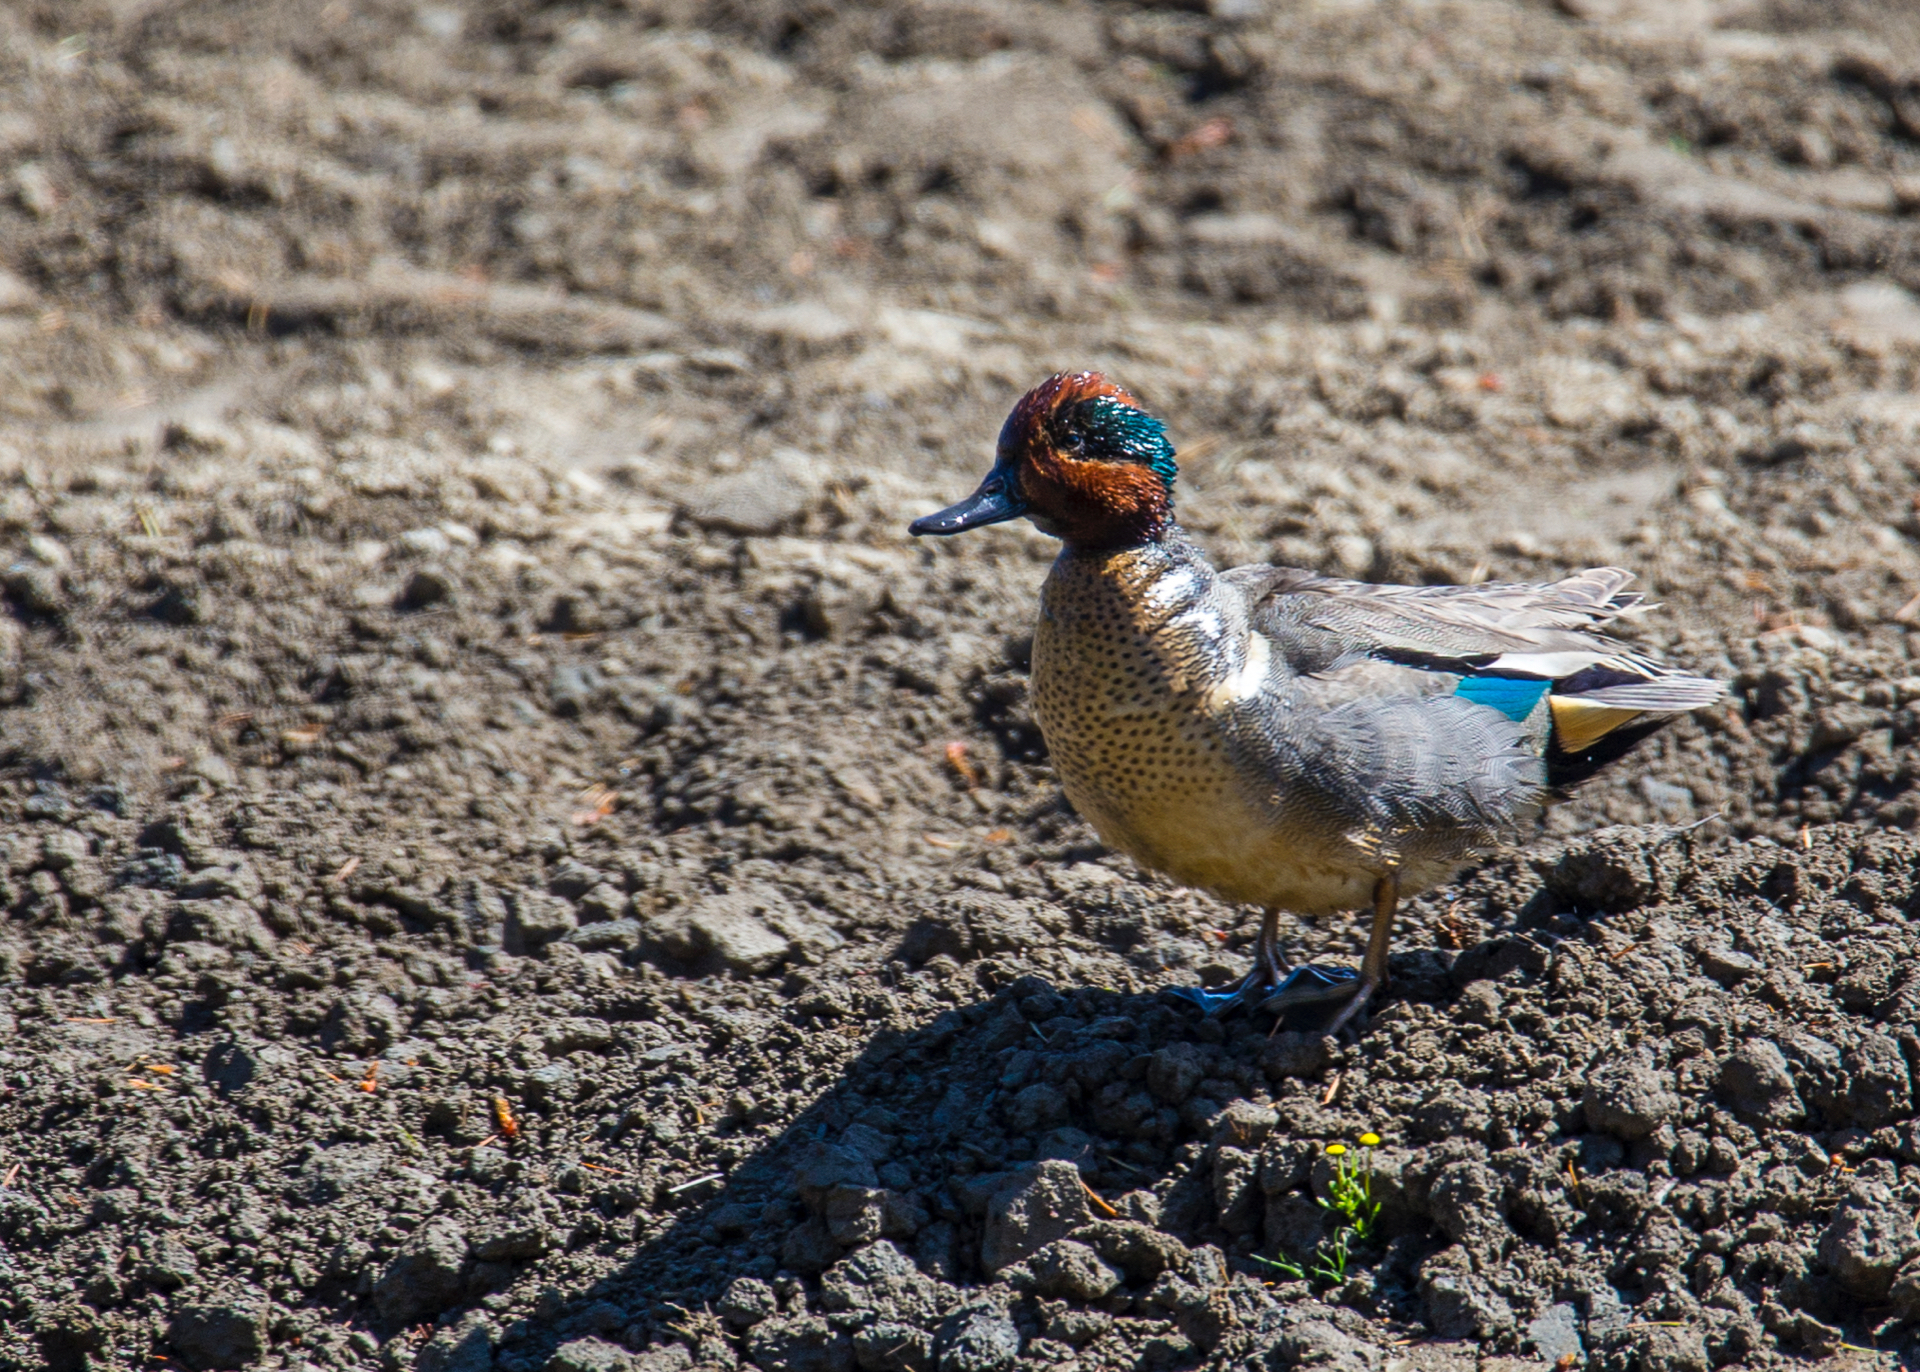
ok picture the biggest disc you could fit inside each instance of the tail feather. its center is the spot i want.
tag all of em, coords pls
(1600, 697)
(1566, 770)
(1602, 723)
(1665, 694)
(1600, 715)
(1579, 723)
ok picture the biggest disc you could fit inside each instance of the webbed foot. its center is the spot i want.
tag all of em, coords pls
(1356, 1006)
(1211, 1002)
(1342, 987)
(1269, 973)
(1299, 1001)
(1307, 989)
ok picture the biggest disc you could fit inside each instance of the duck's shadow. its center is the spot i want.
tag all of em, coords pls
(945, 1156)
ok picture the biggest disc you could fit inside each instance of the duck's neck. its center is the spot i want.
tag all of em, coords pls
(1109, 539)
(1092, 526)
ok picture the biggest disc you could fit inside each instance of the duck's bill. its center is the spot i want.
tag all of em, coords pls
(993, 503)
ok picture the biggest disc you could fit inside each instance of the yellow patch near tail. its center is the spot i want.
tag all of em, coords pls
(1578, 725)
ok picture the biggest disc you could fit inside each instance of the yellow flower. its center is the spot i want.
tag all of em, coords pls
(1370, 1140)
(1334, 1150)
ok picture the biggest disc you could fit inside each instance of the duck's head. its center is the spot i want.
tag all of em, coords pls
(1081, 459)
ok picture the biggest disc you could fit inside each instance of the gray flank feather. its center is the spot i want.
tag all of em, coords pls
(1425, 765)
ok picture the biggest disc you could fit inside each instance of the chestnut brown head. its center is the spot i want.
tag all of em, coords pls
(1081, 459)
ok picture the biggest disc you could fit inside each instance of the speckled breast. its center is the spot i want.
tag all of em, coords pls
(1128, 662)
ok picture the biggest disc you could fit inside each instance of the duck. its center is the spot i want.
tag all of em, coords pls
(1285, 739)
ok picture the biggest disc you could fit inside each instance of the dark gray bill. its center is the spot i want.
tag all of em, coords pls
(993, 503)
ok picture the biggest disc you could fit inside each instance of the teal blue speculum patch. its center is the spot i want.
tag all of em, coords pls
(1117, 432)
(1512, 696)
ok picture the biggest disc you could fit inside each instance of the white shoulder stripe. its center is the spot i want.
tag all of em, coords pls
(1551, 666)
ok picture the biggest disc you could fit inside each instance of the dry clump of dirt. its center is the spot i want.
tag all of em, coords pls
(511, 859)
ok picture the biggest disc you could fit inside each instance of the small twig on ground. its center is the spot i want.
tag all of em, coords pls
(696, 1182)
(1100, 1202)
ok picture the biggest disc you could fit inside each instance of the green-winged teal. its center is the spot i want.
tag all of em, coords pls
(1282, 738)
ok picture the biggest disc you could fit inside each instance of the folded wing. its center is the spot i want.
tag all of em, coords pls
(1530, 650)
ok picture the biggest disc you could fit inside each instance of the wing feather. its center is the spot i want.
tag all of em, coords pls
(1548, 630)
(1323, 621)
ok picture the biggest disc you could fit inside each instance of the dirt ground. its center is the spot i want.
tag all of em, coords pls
(511, 858)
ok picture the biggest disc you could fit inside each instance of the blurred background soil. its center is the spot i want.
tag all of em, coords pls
(511, 858)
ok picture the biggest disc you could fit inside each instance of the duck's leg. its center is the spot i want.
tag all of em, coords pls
(1267, 962)
(1373, 967)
